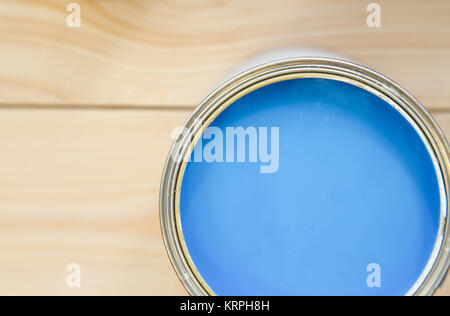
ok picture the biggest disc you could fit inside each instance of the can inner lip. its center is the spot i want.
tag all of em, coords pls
(264, 75)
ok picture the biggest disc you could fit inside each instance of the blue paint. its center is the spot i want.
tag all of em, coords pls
(355, 186)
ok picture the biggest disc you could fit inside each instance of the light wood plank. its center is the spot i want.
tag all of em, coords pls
(173, 52)
(82, 186)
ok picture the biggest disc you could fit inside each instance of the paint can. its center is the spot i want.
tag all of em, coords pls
(406, 147)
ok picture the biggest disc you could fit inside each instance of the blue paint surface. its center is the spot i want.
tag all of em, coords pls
(355, 186)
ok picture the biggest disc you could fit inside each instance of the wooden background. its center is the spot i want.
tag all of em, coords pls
(86, 116)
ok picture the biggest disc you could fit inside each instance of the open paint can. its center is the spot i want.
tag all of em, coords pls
(308, 176)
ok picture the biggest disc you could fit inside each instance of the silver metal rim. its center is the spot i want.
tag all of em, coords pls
(252, 79)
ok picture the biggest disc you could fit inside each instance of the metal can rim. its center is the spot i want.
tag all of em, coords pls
(257, 77)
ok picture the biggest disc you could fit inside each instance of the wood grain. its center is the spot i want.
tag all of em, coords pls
(173, 52)
(81, 186)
